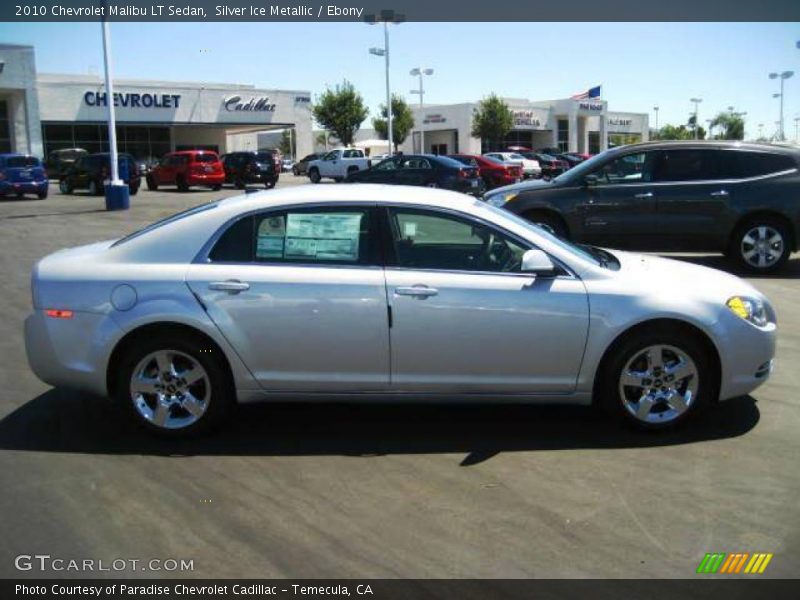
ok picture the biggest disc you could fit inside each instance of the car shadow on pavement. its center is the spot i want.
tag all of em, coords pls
(791, 270)
(67, 421)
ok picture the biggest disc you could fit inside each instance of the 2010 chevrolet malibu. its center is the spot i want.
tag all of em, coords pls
(365, 292)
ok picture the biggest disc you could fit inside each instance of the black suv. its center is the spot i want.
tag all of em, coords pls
(90, 173)
(242, 168)
(739, 199)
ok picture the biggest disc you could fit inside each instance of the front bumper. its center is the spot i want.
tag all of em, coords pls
(70, 352)
(747, 354)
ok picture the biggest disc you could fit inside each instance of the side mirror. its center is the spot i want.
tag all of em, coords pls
(536, 261)
(590, 180)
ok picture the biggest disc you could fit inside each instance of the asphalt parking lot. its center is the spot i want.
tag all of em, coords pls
(382, 491)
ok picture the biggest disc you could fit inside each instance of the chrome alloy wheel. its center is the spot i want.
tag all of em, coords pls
(762, 246)
(170, 389)
(658, 384)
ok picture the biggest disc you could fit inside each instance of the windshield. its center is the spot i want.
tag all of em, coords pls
(205, 158)
(582, 252)
(171, 219)
(584, 168)
(516, 156)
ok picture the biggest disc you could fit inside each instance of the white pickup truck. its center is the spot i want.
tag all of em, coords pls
(338, 164)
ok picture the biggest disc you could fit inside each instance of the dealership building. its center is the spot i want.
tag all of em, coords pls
(585, 126)
(40, 113)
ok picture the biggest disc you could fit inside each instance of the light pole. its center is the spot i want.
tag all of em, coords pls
(655, 109)
(420, 72)
(708, 124)
(696, 102)
(796, 122)
(386, 17)
(783, 76)
(761, 131)
(117, 195)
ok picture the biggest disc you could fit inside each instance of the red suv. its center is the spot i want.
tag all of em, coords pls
(493, 172)
(187, 168)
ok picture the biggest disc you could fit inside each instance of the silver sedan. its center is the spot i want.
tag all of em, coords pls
(373, 292)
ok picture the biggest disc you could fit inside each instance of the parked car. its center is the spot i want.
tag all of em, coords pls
(58, 161)
(93, 171)
(530, 168)
(426, 170)
(22, 174)
(572, 160)
(286, 165)
(187, 168)
(551, 166)
(738, 199)
(218, 304)
(493, 172)
(374, 160)
(242, 168)
(338, 164)
(301, 166)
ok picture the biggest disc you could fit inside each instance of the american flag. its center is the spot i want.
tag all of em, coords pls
(590, 93)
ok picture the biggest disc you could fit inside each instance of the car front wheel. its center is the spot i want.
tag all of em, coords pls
(761, 245)
(173, 386)
(313, 175)
(151, 183)
(657, 379)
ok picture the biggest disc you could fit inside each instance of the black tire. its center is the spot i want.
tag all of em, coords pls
(65, 187)
(313, 175)
(216, 188)
(41, 195)
(151, 184)
(774, 255)
(133, 190)
(295, 171)
(270, 183)
(631, 346)
(338, 179)
(222, 395)
(352, 170)
(181, 183)
(239, 183)
(550, 222)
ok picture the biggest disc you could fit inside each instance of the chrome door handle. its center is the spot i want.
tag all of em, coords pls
(643, 195)
(417, 291)
(720, 194)
(234, 286)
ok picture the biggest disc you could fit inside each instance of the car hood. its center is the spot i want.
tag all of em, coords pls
(676, 277)
(522, 186)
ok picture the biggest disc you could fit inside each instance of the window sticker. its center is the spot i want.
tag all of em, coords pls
(270, 239)
(310, 236)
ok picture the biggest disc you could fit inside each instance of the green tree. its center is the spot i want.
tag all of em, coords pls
(492, 120)
(680, 132)
(732, 126)
(402, 121)
(341, 111)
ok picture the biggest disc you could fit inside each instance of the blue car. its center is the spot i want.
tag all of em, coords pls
(21, 174)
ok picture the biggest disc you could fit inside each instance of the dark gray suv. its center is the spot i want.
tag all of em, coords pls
(739, 199)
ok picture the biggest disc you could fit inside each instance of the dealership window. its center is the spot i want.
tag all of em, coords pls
(5, 128)
(563, 135)
(140, 141)
(594, 142)
(623, 139)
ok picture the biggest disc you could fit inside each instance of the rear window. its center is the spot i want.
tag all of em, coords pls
(448, 162)
(22, 161)
(264, 156)
(753, 164)
(171, 219)
(205, 158)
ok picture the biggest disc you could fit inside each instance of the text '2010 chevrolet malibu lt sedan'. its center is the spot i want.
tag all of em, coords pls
(375, 292)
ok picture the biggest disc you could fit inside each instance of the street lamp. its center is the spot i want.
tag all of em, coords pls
(655, 109)
(708, 124)
(796, 122)
(696, 102)
(386, 17)
(117, 193)
(420, 72)
(783, 77)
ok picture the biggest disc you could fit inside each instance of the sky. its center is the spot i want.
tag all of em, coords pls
(640, 65)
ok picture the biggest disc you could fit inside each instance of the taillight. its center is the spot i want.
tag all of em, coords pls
(57, 313)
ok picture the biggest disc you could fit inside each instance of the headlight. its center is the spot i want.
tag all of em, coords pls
(750, 309)
(499, 200)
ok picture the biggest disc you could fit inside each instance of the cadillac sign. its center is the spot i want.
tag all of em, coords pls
(525, 118)
(235, 104)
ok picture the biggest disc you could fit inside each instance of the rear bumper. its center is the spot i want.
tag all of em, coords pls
(70, 352)
(206, 179)
(21, 187)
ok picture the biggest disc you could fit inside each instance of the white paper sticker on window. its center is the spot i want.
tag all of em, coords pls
(323, 236)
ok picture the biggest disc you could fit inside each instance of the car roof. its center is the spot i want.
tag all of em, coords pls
(719, 144)
(192, 152)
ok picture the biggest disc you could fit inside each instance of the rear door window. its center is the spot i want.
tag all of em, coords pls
(753, 164)
(695, 165)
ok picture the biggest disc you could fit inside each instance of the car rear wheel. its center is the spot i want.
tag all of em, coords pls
(151, 183)
(216, 188)
(761, 245)
(133, 189)
(42, 195)
(182, 185)
(94, 189)
(657, 379)
(313, 175)
(295, 171)
(270, 183)
(174, 386)
(64, 187)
